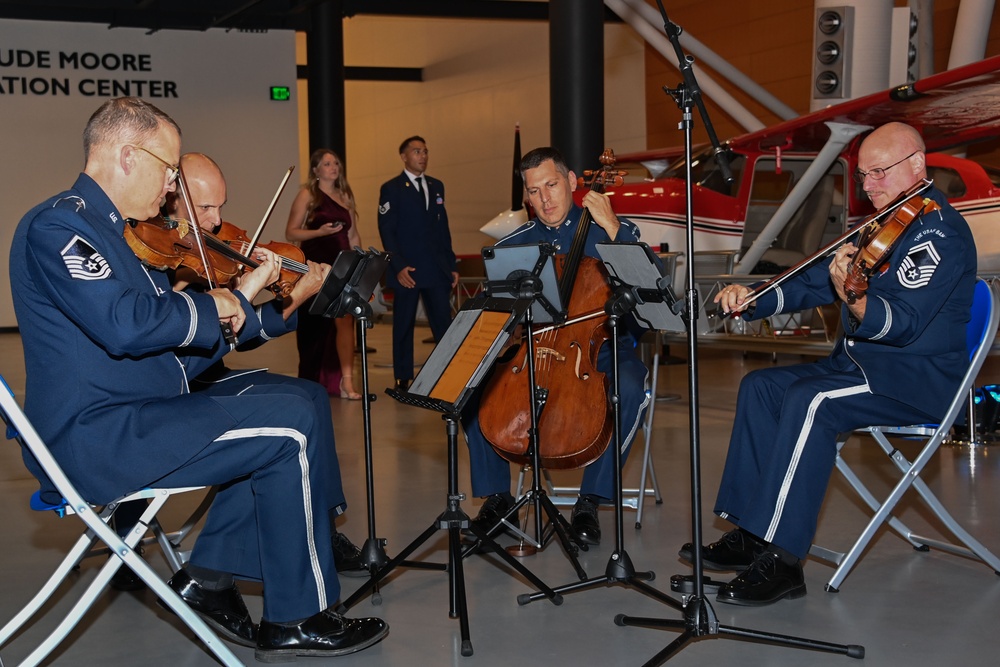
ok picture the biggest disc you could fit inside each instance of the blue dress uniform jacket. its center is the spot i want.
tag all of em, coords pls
(490, 473)
(100, 354)
(415, 236)
(901, 365)
(415, 233)
(109, 348)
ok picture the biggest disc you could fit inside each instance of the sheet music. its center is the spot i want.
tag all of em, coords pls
(484, 334)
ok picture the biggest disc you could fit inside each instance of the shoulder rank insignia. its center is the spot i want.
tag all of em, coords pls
(83, 262)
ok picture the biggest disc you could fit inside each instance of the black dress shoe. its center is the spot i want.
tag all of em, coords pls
(734, 551)
(223, 610)
(767, 580)
(347, 557)
(402, 385)
(325, 634)
(492, 510)
(584, 521)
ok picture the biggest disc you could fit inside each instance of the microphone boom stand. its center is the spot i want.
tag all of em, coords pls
(699, 617)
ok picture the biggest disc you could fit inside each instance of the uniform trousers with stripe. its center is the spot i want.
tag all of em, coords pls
(784, 445)
(236, 382)
(269, 521)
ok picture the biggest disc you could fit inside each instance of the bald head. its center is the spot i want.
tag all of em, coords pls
(207, 187)
(896, 152)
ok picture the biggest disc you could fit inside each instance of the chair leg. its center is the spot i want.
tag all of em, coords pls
(972, 549)
(125, 555)
(880, 516)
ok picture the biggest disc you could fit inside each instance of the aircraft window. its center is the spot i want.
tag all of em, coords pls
(638, 172)
(948, 181)
(771, 187)
(993, 174)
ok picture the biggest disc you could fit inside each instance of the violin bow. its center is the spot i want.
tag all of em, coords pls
(227, 329)
(270, 209)
(920, 188)
(196, 228)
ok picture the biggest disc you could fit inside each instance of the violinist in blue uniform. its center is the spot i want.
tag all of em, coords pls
(208, 193)
(900, 361)
(109, 348)
(549, 185)
(413, 225)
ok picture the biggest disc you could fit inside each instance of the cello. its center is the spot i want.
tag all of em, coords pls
(575, 420)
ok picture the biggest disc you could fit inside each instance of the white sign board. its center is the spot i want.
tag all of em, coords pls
(216, 84)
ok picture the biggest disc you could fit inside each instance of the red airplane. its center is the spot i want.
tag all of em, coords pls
(792, 192)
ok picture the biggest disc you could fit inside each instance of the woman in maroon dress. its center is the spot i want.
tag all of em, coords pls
(323, 221)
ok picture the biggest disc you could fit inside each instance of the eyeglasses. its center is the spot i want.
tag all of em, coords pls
(172, 171)
(879, 173)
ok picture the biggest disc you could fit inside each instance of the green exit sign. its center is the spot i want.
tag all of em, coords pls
(281, 93)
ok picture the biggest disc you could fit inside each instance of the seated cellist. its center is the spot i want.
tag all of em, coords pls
(549, 185)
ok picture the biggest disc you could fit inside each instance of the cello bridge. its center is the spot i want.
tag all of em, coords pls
(542, 352)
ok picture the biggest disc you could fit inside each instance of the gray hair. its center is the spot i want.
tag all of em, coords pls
(125, 120)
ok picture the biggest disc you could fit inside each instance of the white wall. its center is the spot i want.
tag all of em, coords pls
(480, 79)
(222, 82)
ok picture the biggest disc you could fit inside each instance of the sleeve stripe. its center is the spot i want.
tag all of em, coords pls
(194, 320)
(888, 320)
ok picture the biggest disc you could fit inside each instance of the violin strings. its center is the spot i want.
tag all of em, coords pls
(286, 262)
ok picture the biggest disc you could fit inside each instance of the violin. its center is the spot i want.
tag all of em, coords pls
(575, 424)
(164, 243)
(877, 238)
(167, 243)
(877, 242)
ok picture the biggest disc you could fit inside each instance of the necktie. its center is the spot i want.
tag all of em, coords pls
(420, 189)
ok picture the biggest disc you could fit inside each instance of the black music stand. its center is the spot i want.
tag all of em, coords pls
(347, 290)
(444, 384)
(526, 272)
(639, 289)
(699, 617)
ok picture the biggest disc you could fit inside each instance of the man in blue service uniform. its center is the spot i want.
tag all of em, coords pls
(413, 224)
(901, 359)
(208, 193)
(549, 184)
(109, 348)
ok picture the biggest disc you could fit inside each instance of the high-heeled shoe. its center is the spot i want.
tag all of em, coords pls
(349, 395)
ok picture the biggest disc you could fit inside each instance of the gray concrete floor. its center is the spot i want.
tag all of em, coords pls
(906, 608)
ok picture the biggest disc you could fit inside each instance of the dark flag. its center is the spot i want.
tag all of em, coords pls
(517, 184)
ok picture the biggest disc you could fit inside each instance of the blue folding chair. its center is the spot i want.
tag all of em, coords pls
(97, 530)
(980, 332)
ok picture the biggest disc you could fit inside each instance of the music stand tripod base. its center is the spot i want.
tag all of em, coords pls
(444, 384)
(526, 273)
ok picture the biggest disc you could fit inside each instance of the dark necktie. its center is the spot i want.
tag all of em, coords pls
(420, 189)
